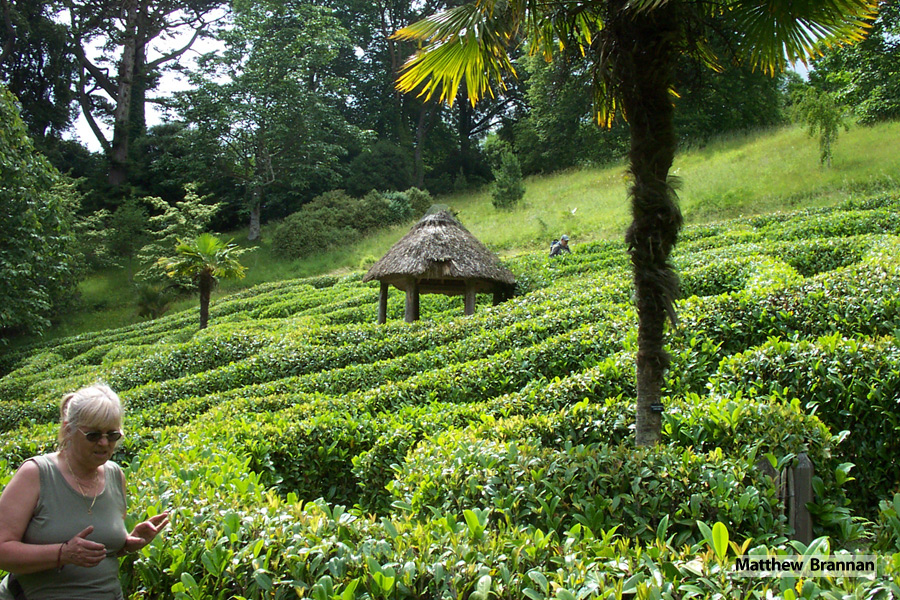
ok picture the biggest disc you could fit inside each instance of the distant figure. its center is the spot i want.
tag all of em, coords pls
(561, 246)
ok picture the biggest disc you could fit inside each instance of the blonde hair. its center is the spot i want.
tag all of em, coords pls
(93, 406)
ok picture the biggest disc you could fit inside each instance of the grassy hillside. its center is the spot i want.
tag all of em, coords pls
(738, 175)
(308, 452)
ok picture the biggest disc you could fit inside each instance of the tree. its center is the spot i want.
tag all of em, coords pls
(509, 188)
(205, 259)
(636, 46)
(128, 28)
(557, 132)
(865, 76)
(822, 115)
(38, 68)
(276, 119)
(38, 261)
(185, 220)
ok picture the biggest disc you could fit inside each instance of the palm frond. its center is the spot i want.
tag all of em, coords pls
(779, 32)
(467, 43)
(205, 253)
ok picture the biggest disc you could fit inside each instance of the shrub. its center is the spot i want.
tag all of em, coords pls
(598, 486)
(399, 207)
(887, 527)
(419, 200)
(328, 220)
(850, 384)
(509, 187)
(372, 211)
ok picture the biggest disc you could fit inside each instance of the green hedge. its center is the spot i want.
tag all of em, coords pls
(599, 486)
(850, 384)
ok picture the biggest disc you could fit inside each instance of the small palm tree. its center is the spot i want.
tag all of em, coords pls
(205, 260)
(634, 46)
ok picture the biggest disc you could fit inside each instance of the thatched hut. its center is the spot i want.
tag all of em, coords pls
(440, 256)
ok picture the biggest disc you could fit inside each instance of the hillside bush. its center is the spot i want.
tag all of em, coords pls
(327, 220)
(509, 187)
(419, 200)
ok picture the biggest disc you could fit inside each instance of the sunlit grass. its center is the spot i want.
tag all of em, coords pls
(751, 173)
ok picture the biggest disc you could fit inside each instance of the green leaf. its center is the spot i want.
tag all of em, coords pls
(540, 579)
(533, 594)
(662, 527)
(706, 531)
(482, 588)
(720, 539)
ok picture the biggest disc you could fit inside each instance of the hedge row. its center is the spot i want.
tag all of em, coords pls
(850, 384)
(239, 540)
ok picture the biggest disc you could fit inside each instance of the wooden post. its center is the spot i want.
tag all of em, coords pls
(412, 301)
(800, 484)
(382, 303)
(470, 300)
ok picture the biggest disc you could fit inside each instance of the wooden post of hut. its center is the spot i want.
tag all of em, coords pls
(382, 302)
(470, 299)
(411, 312)
(439, 256)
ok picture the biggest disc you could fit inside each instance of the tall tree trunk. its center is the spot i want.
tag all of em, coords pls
(647, 75)
(118, 160)
(422, 128)
(206, 284)
(137, 118)
(255, 206)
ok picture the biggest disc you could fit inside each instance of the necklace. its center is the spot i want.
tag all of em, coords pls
(81, 489)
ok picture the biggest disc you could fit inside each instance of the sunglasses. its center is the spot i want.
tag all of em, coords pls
(94, 436)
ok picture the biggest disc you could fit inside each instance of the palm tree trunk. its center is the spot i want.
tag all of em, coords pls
(206, 284)
(647, 75)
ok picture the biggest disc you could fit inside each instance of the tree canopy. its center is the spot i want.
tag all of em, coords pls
(267, 109)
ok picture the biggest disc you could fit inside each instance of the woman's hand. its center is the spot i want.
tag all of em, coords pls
(145, 532)
(82, 552)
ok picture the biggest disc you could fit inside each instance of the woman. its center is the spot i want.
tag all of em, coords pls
(62, 516)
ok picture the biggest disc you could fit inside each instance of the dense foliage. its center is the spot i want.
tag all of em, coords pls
(309, 104)
(308, 451)
(865, 77)
(38, 257)
(336, 219)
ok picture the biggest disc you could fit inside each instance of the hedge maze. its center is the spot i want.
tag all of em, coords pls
(308, 452)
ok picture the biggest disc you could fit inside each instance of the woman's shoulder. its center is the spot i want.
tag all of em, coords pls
(30, 469)
(34, 464)
(111, 464)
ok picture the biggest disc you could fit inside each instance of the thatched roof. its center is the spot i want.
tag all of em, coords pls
(439, 248)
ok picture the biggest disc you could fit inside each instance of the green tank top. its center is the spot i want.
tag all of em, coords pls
(60, 514)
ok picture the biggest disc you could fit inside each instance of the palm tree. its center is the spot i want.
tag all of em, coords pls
(205, 260)
(634, 46)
